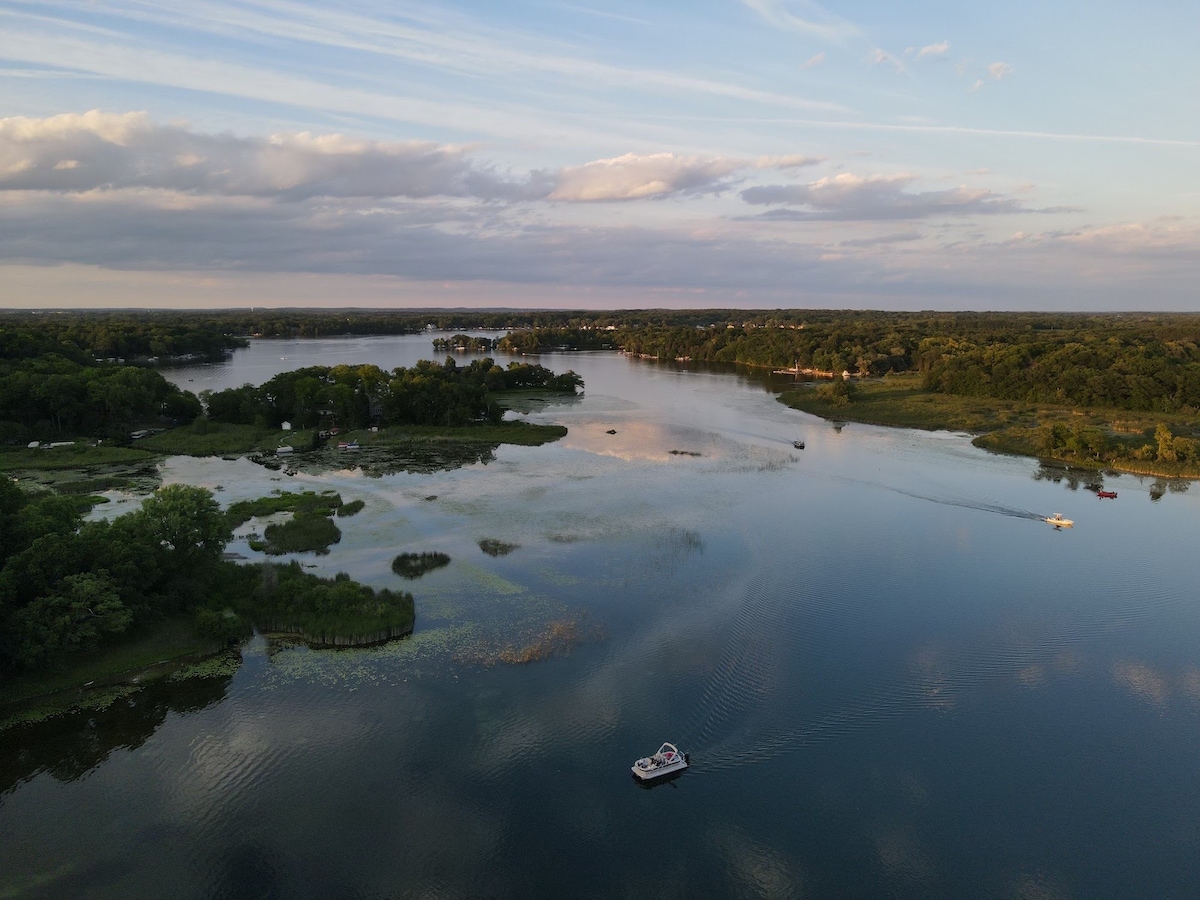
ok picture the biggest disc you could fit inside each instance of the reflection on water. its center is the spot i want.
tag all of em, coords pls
(68, 747)
(891, 683)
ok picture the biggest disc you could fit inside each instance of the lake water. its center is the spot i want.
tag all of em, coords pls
(892, 680)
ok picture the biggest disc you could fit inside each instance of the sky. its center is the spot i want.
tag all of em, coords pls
(709, 153)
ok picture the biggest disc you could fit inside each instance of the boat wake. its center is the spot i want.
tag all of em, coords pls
(758, 705)
(999, 509)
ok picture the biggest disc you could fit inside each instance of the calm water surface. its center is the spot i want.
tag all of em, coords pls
(893, 681)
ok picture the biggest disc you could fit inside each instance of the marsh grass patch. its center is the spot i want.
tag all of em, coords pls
(303, 533)
(414, 565)
(495, 547)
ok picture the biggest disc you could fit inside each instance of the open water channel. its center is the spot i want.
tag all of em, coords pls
(892, 680)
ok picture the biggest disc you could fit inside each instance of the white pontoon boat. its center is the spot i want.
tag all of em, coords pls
(667, 761)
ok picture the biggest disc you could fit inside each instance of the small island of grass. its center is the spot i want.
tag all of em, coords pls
(303, 533)
(414, 565)
(494, 547)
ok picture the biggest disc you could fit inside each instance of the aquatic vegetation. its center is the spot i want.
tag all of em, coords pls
(208, 438)
(554, 638)
(326, 611)
(325, 503)
(220, 666)
(494, 547)
(414, 565)
(305, 532)
(349, 509)
(61, 704)
(93, 485)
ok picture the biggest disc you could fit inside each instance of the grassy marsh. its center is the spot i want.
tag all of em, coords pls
(205, 438)
(172, 639)
(1005, 426)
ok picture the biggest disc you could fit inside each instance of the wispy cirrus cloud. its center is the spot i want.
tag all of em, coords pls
(415, 39)
(898, 237)
(812, 19)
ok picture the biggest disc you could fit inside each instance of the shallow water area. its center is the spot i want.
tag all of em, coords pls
(893, 679)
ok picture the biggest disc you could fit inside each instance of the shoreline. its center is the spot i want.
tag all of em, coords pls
(1010, 427)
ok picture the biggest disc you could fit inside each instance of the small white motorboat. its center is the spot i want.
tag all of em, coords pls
(667, 761)
(1058, 521)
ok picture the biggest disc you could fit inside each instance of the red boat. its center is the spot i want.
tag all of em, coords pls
(1111, 495)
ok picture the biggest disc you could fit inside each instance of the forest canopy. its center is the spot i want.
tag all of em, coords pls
(357, 396)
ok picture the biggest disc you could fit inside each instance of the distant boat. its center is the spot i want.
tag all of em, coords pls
(667, 761)
(1111, 495)
(284, 450)
(1058, 521)
(799, 445)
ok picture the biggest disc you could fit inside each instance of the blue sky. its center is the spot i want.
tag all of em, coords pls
(757, 153)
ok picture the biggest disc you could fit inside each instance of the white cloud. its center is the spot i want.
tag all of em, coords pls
(99, 151)
(794, 161)
(110, 151)
(883, 58)
(633, 177)
(934, 51)
(814, 60)
(999, 70)
(1169, 236)
(850, 197)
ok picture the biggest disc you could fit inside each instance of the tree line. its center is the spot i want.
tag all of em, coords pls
(1147, 363)
(86, 336)
(345, 396)
(51, 395)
